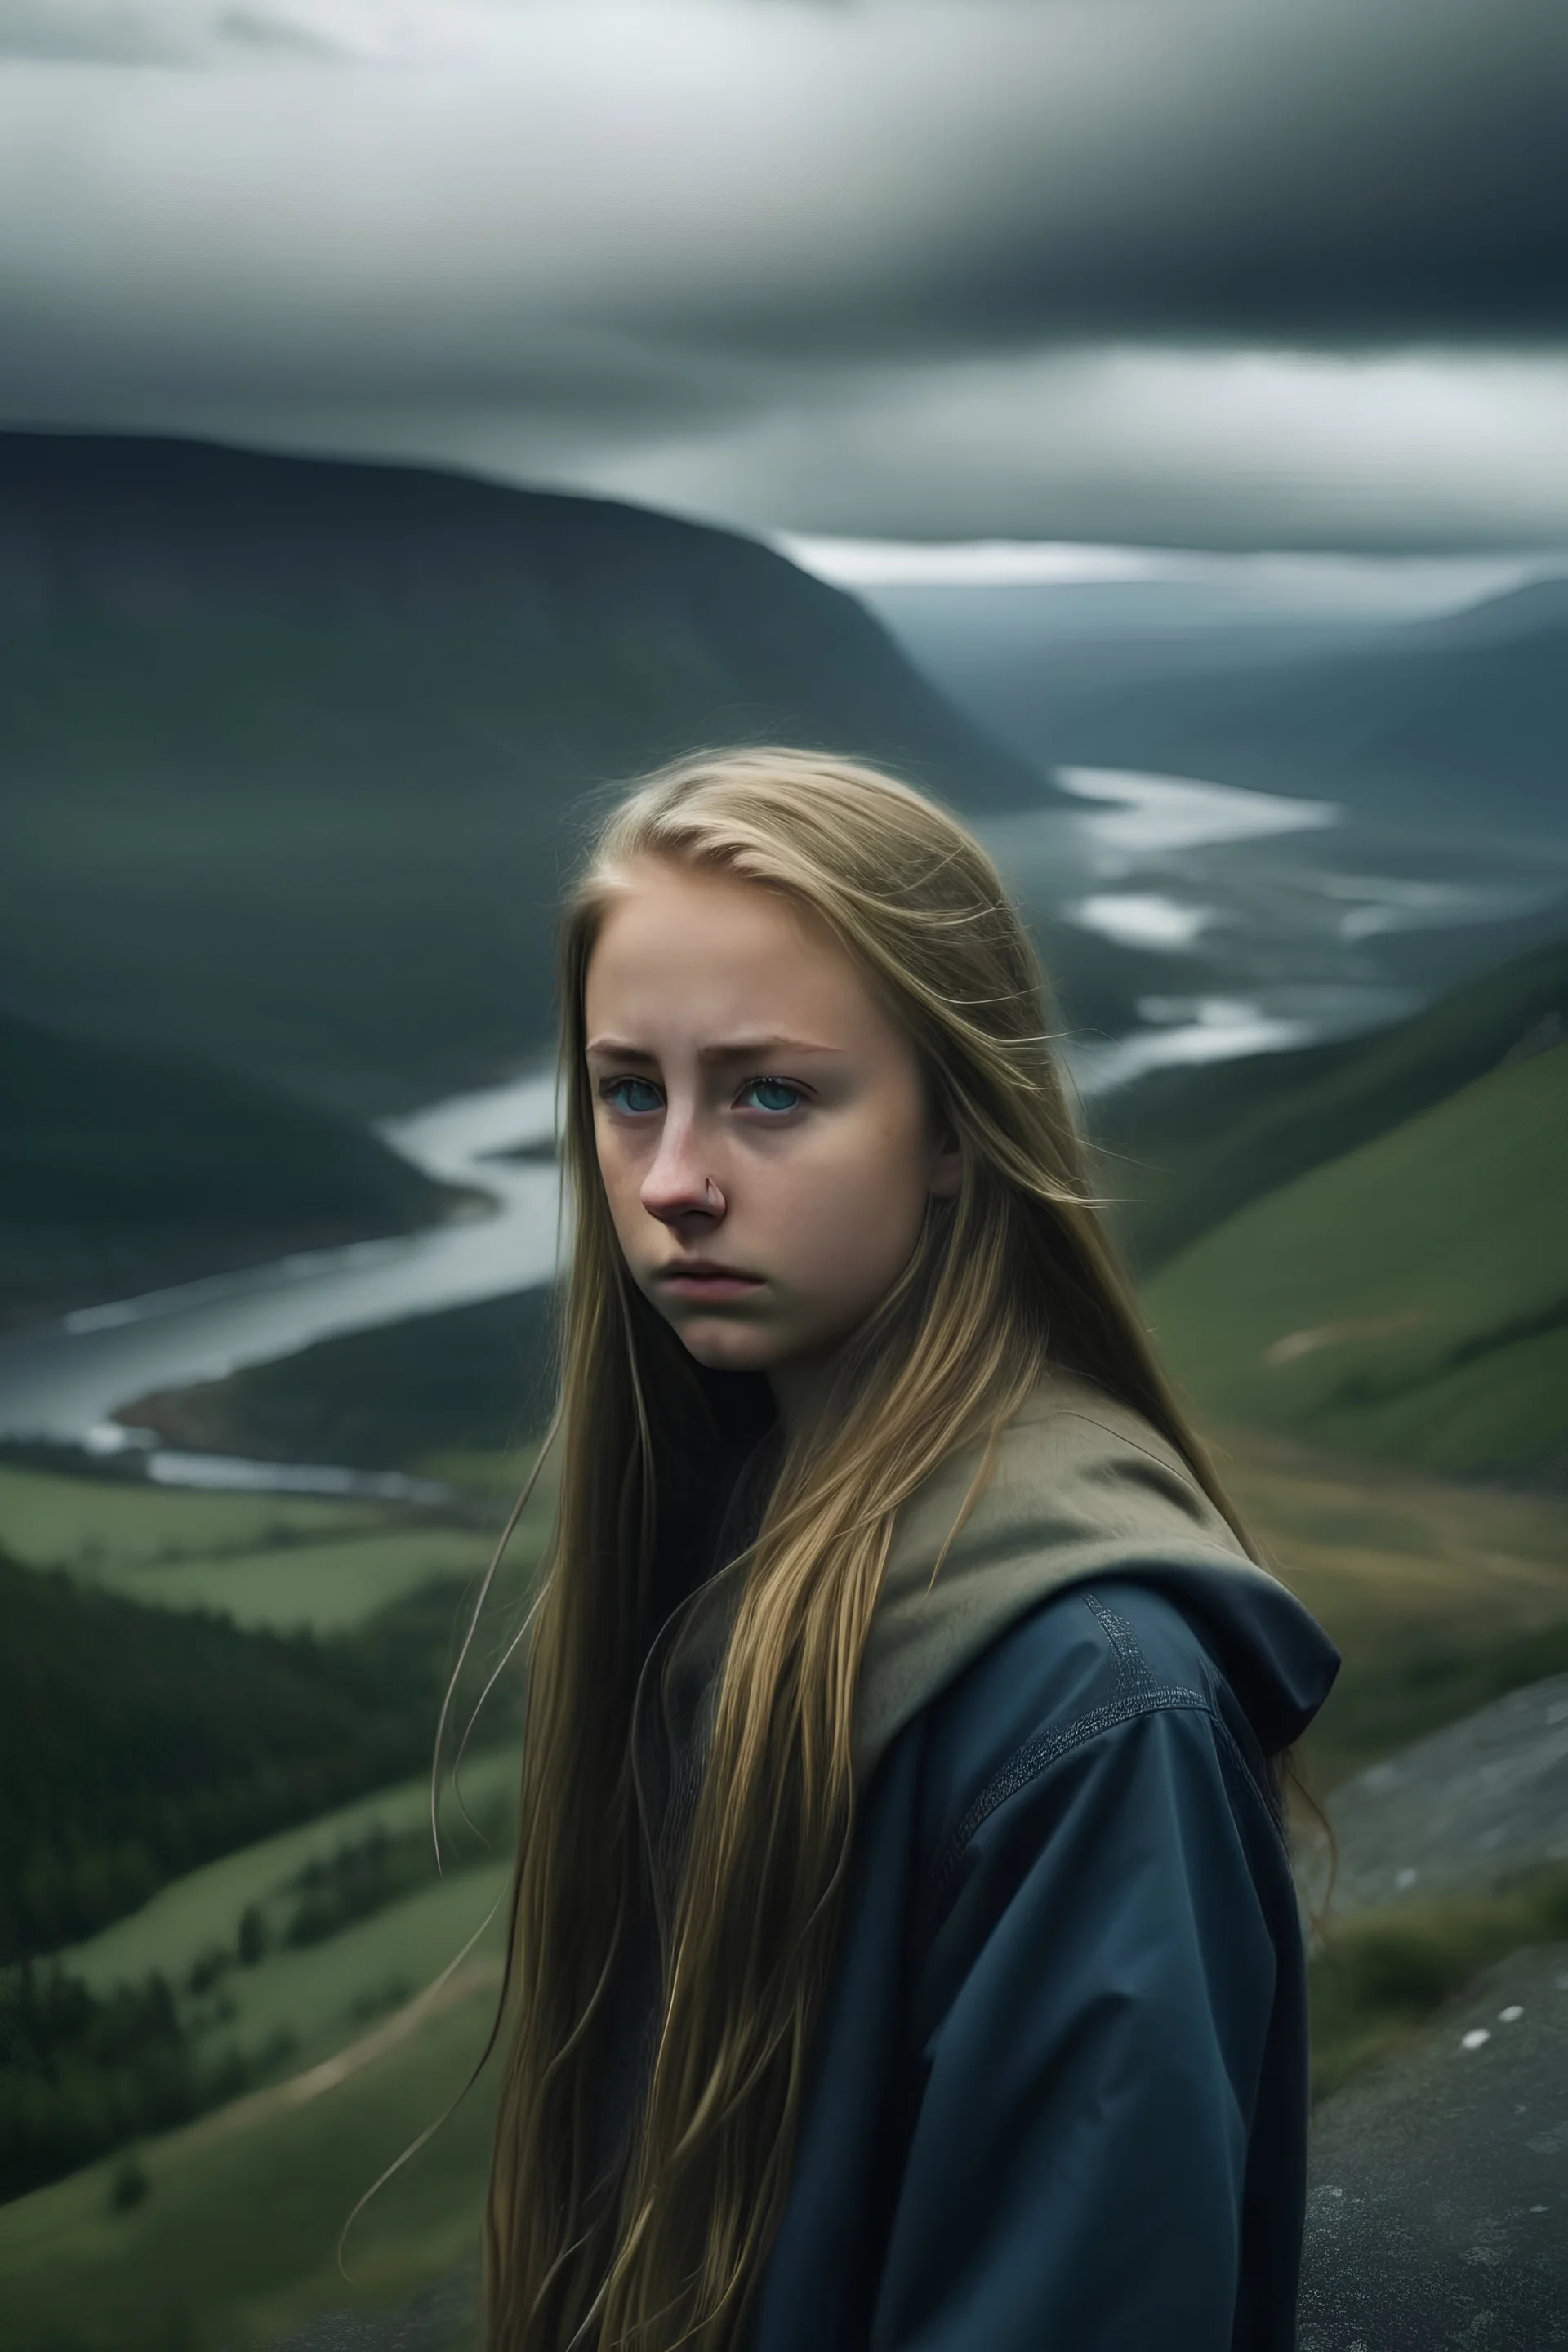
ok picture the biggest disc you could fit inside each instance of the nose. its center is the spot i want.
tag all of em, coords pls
(676, 1185)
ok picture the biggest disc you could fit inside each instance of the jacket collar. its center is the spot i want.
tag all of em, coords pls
(1077, 1487)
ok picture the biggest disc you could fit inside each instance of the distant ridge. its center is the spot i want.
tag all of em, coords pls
(1535, 608)
(298, 743)
(1459, 721)
(1462, 719)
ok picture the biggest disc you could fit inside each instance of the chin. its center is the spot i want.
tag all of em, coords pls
(727, 1350)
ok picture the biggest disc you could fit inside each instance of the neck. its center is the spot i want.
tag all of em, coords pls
(800, 1392)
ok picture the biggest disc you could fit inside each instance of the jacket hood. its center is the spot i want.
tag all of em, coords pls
(1078, 1486)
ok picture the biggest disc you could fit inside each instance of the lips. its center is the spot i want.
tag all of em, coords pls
(701, 1279)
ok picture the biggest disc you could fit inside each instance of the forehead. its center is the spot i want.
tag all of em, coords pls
(697, 948)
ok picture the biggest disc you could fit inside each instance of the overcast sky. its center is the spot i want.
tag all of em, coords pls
(1228, 273)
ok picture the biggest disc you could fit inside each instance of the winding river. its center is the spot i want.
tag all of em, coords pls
(62, 1381)
(1143, 860)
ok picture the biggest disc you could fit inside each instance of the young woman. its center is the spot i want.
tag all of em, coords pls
(904, 1948)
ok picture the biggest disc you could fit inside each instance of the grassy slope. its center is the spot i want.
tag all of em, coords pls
(310, 1588)
(317, 1573)
(50, 1520)
(122, 1170)
(202, 1738)
(1440, 1597)
(183, 1920)
(1184, 1149)
(283, 1563)
(321, 1995)
(236, 2238)
(290, 736)
(1408, 1300)
(208, 1735)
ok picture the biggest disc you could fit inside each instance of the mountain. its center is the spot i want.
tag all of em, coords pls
(1182, 1150)
(1408, 1300)
(120, 1172)
(1460, 720)
(298, 752)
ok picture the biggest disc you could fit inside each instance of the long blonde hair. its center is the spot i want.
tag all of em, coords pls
(663, 2242)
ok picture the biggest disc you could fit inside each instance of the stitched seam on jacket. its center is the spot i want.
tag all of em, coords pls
(1026, 1763)
(1037, 1756)
(1131, 1666)
(1133, 1676)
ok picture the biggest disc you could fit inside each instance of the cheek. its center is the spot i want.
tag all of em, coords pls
(854, 1217)
(619, 1179)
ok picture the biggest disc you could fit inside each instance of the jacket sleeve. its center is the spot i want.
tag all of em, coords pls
(1091, 2014)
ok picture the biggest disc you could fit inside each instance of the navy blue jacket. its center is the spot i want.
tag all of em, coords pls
(1058, 2089)
(1059, 2093)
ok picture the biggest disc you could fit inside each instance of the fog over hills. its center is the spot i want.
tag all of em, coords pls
(1461, 719)
(296, 748)
(1538, 608)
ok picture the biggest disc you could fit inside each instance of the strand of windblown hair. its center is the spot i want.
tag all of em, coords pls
(489, 1575)
(420, 2001)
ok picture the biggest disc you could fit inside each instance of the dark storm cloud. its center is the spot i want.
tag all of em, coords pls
(1319, 172)
(818, 266)
(1301, 170)
(903, 176)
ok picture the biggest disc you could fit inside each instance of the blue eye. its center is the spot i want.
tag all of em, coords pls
(773, 1087)
(613, 1090)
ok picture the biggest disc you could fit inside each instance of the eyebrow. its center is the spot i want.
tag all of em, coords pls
(737, 1049)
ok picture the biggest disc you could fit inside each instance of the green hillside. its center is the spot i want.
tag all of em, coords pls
(137, 1742)
(258, 1966)
(111, 1520)
(233, 2239)
(122, 1170)
(296, 749)
(469, 1380)
(330, 1587)
(1408, 1300)
(1185, 1149)
(265, 1560)
(284, 1983)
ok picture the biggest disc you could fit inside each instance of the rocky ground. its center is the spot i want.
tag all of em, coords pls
(1437, 2199)
(444, 2320)
(1487, 1796)
(1437, 2195)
